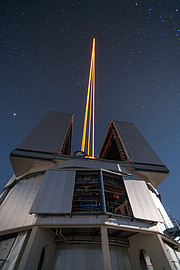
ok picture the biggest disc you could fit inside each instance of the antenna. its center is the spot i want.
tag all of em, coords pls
(90, 107)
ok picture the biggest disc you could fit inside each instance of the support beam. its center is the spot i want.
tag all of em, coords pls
(103, 193)
(105, 249)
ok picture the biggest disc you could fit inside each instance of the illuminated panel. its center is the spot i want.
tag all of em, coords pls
(117, 201)
(87, 193)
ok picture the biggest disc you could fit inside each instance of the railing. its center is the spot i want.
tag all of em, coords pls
(174, 230)
(175, 222)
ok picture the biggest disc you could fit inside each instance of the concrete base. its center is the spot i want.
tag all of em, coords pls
(39, 239)
(154, 247)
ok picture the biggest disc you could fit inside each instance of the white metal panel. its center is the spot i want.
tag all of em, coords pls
(89, 256)
(14, 211)
(11, 260)
(78, 256)
(166, 220)
(119, 258)
(55, 194)
(141, 201)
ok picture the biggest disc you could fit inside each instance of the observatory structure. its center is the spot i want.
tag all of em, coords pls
(60, 211)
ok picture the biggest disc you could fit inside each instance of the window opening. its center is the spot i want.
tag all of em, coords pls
(145, 260)
(6, 244)
(116, 197)
(87, 193)
(41, 259)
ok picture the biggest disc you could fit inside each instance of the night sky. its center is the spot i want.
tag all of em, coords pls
(45, 49)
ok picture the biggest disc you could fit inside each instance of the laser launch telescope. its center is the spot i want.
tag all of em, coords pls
(63, 211)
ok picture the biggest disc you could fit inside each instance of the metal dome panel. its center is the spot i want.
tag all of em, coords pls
(55, 194)
(124, 142)
(52, 135)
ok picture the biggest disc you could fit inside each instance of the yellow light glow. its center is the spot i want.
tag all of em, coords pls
(89, 131)
(90, 103)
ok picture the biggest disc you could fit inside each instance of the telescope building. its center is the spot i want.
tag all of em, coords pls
(60, 211)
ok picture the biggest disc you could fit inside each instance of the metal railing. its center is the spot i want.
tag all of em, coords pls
(174, 230)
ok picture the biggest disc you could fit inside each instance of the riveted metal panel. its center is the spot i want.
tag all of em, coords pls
(55, 194)
(14, 210)
(48, 136)
(136, 147)
(119, 258)
(78, 256)
(89, 256)
(141, 201)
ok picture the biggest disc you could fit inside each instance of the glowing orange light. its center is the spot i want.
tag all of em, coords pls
(90, 102)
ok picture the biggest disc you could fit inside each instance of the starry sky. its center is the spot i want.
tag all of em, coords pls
(45, 49)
